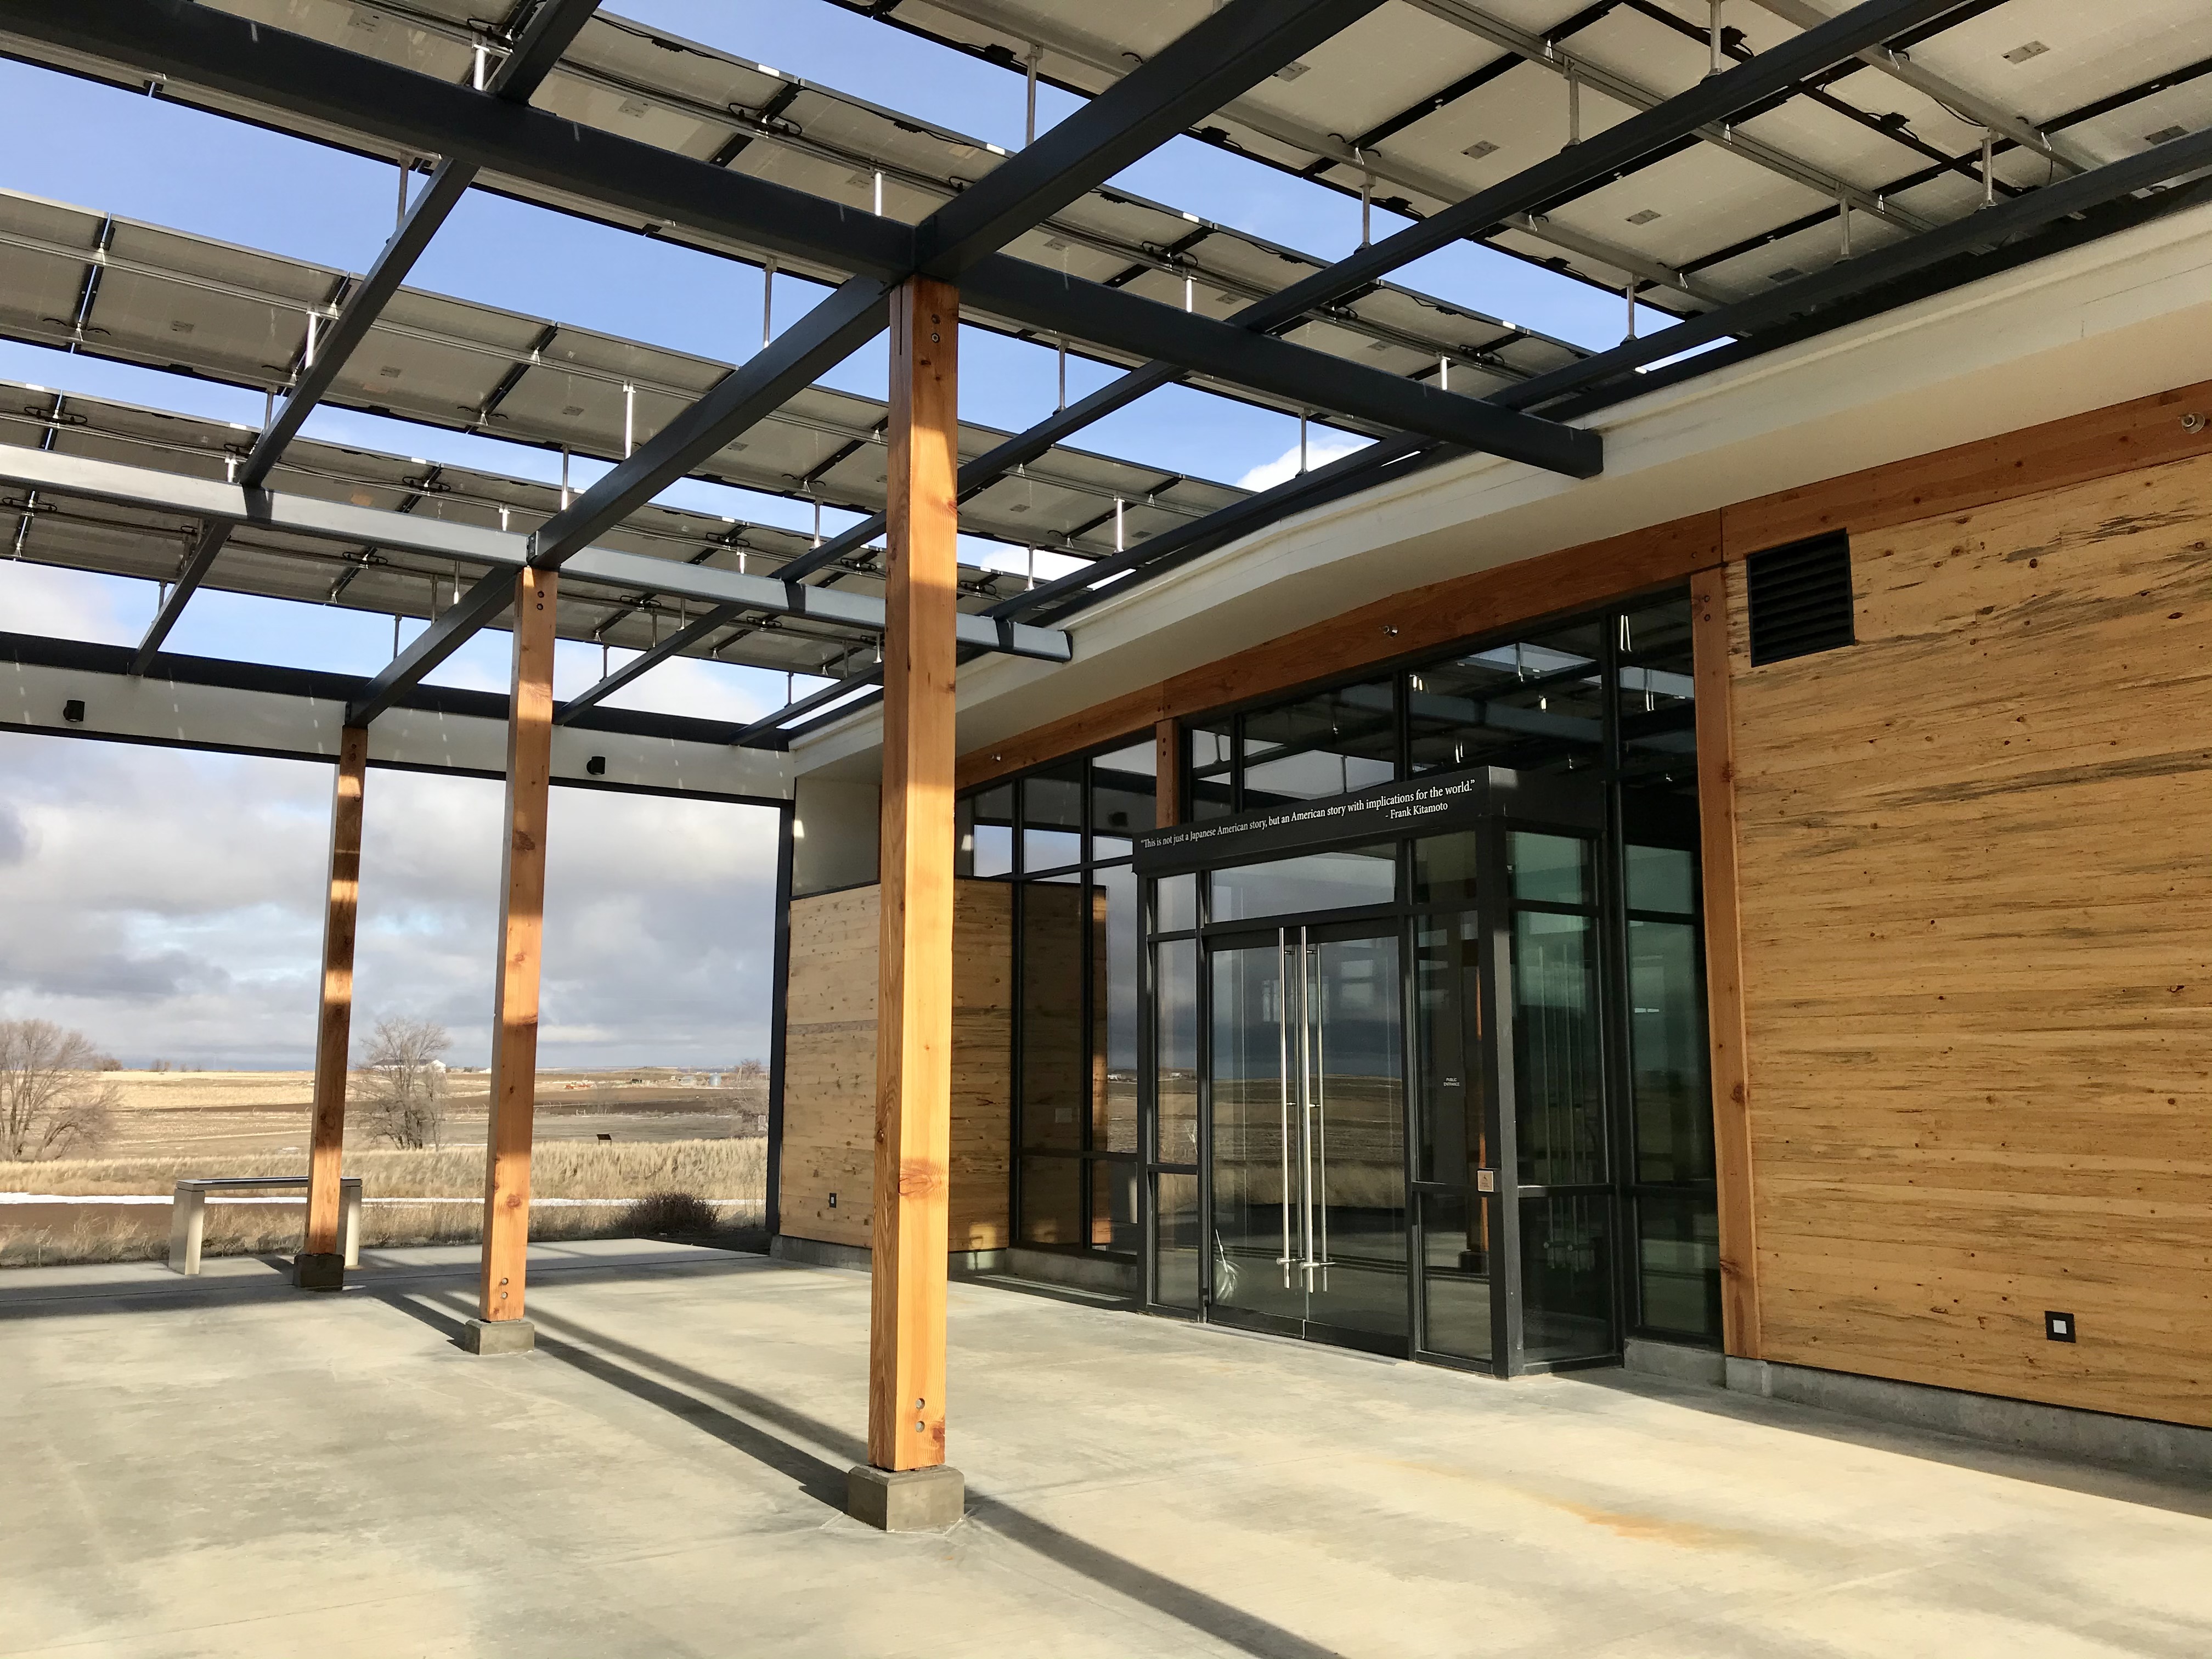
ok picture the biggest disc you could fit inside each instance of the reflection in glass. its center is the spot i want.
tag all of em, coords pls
(1678, 1252)
(1548, 869)
(1113, 1206)
(1448, 1033)
(1052, 1201)
(1557, 1074)
(1114, 1009)
(1666, 1052)
(988, 832)
(1210, 774)
(1456, 1274)
(1329, 743)
(1256, 1189)
(1175, 1001)
(1662, 878)
(1443, 869)
(1174, 904)
(1052, 1080)
(1355, 1162)
(1532, 705)
(1566, 1277)
(1658, 691)
(1316, 881)
(1122, 791)
(1177, 1238)
(1052, 816)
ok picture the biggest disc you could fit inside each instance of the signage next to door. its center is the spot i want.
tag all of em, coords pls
(1421, 806)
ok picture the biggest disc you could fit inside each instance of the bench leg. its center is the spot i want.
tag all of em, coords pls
(195, 1229)
(349, 1225)
(180, 1231)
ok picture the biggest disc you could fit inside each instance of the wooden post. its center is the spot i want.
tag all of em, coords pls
(1731, 1072)
(500, 1326)
(913, 1041)
(320, 1265)
(1167, 772)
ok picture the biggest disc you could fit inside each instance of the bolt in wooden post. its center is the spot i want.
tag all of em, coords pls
(521, 934)
(321, 1265)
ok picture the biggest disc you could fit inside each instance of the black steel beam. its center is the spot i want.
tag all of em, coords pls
(1210, 63)
(1713, 99)
(1764, 322)
(1047, 299)
(689, 633)
(448, 631)
(770, 724)
(329, 84)
(854, 314)
(548, 34)
(1717, 98)
(1987, 228)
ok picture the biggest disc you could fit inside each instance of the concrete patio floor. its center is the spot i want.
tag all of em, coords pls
(226, 1467)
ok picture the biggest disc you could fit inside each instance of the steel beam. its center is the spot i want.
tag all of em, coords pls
(1973, 106)
(503, 552)
(333, 86)
(548, 34)
(1225, 54)
(1840, 284)
(1248, 355)
(1990, 227)
(1511, 201)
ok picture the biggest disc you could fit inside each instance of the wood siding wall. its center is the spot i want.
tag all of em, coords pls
(1976, 898)
(830, 1065)
(1976, 867)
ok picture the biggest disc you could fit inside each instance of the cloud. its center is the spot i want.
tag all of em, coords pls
(1322, 447)
(170, 904)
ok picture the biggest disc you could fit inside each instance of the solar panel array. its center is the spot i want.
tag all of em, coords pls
(1416, 106)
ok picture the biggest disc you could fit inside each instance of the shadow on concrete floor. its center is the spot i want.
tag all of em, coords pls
(825, 1481)
(2182, 1494)
(172, 1291)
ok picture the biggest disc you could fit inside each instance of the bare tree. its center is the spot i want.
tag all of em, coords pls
(404, 1081)
(52, 1099)
(749, 1070)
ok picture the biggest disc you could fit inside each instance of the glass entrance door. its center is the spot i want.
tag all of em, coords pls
(1309, 1172)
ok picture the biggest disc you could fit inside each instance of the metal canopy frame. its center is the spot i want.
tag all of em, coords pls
(538, 48)
(1231, 66)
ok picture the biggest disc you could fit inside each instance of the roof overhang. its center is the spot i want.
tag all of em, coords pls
(2118, 317)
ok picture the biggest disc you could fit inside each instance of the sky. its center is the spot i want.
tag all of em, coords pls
(168, 904)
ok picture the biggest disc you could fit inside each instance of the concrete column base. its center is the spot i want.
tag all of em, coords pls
(491, 1336)
(317, 1271)
(905, 1500)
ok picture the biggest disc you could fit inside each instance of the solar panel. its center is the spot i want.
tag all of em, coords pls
(165, 300)
(134, 541)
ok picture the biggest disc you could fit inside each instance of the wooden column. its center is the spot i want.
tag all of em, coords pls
(914, 1040)
(521, 932)
(1167, 771)
(321, 1265)
(1731, 1072)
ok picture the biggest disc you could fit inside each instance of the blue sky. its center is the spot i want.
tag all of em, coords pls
(149, 160)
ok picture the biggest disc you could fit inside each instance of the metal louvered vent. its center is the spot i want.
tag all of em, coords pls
(1800, 599)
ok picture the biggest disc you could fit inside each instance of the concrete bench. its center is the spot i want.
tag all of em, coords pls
(188, 1213)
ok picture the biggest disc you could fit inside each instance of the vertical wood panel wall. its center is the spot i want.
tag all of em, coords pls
(829, 1061)
(1976, 854)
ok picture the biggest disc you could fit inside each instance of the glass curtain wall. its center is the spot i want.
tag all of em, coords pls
(1061, 835)
(1614, 1122)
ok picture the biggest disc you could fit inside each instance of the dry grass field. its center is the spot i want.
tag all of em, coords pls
(730, 1174)
(254, 1112)
(669, 1136)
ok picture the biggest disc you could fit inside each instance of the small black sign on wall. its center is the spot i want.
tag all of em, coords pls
(2058, 1326)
